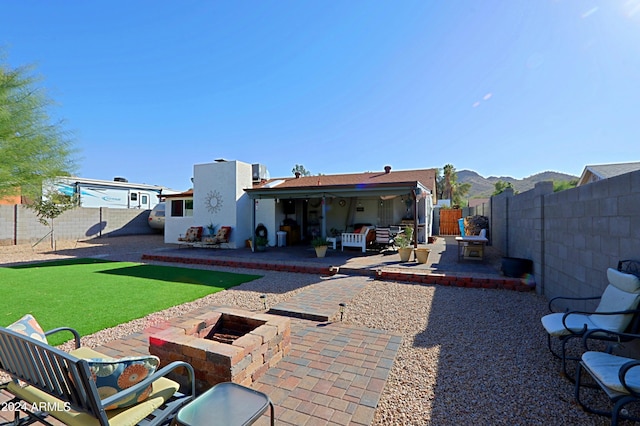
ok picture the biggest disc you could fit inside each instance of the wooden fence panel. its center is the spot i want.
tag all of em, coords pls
(449, 221)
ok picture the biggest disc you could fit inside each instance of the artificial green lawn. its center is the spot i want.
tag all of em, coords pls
(92, 294)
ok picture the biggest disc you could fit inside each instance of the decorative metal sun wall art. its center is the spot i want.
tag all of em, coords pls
(213, 201)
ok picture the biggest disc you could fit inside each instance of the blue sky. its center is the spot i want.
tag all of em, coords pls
(514, 88)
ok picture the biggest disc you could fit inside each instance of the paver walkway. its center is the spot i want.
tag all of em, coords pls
(321, 302)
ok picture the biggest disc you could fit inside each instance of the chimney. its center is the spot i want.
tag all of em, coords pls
(387, 169)
(297, 175)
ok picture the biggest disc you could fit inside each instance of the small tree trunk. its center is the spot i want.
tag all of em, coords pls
(53, 239)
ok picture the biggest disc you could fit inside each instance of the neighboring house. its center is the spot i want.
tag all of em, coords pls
(239, 195)
(595, 173)
(11, 199)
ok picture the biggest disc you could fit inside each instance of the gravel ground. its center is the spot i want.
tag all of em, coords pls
(469, 356)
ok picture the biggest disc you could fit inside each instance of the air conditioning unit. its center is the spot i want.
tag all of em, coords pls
(259, 172)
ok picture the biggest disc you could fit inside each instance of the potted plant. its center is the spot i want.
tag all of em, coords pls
(320, 244)
(261, 243)
(403, 241)
(422, 254)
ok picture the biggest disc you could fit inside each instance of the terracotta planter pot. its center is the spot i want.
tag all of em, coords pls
(321, 251)
(405, 253)
(422, 255)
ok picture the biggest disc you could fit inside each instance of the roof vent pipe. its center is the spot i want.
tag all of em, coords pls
(387, 169)
(297, 175)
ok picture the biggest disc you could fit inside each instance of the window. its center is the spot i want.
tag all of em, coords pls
(144, 200)
(177, 208)
(134, 196)
(181, 208)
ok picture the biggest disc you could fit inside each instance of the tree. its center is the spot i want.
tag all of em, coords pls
(33, 146)
(300, 169)
(49, 207)
(450, 187)
(500, 186)
(561, 185)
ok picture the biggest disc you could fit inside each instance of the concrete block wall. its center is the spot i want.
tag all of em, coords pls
(499, 221)
(572, 236)
(589, 229)
(7, 222)
(20, 225)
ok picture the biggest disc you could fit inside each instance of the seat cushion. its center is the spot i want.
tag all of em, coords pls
(163, 389)
(552, 323)
(605, 367)
(28, 326)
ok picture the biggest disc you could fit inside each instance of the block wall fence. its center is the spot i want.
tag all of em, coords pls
(571, 236)
(19, 225)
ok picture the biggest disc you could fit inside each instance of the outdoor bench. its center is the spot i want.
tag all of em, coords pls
(63, 385)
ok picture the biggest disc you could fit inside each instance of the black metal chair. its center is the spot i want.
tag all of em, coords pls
(617, 376)
(617, 311)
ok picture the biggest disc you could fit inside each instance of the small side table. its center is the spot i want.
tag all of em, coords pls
(226, 403)
(334, 241)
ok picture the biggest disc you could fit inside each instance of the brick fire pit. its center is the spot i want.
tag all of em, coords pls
(224, 345)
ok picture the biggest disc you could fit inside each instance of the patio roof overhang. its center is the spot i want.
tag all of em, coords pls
(344, 191)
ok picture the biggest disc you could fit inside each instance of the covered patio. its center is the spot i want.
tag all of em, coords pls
(328, 205)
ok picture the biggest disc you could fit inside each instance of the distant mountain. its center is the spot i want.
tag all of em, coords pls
(483, 187)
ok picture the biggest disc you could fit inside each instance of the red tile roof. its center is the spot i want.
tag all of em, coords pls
(425, 176)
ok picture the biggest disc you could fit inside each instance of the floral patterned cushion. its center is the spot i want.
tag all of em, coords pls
(113, 375)
(28, 326)
(194, 234)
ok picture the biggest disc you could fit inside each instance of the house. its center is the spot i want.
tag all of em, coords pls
(595, 173)
(242, 196)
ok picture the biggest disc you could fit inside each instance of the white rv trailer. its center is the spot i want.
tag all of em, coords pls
(117, 194)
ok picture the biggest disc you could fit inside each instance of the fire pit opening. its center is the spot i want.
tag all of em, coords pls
(229, 328)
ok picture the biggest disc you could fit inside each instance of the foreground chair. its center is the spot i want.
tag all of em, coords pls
(617, 376)
(66, 385)
(617, 312)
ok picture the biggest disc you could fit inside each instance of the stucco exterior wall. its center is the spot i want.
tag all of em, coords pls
(175, 227)
(224, 182)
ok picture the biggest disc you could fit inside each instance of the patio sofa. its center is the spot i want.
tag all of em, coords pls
(360, 238)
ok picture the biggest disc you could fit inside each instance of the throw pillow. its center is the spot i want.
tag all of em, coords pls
(28, 326)
(114, 375)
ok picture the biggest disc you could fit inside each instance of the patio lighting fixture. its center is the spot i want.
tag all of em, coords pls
(342, 306)
(264, 301)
